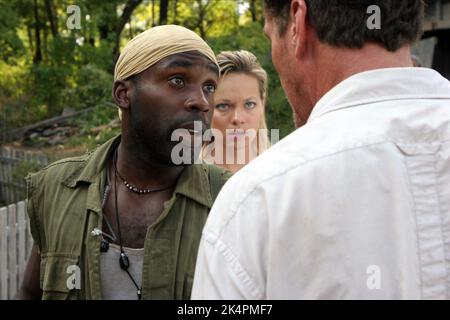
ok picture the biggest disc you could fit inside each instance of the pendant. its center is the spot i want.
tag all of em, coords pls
(104, 246)
(139, 294)
(124, 262)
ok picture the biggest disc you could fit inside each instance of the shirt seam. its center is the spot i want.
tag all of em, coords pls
(417, 226)
(441, 225)
(247, 281)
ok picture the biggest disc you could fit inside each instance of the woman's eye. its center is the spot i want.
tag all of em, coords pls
(177, 82)
(250, 105)
(222, 107)
(210, 88)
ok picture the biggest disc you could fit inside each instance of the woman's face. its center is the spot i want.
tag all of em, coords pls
(238, 107)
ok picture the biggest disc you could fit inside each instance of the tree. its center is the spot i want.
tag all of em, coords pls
(52, 17)
(253, 10)
(163, 11)
(175, 11)
(37, 33)
(130, 6)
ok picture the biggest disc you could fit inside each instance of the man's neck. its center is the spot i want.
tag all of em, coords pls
(141, 171)
(331, 66)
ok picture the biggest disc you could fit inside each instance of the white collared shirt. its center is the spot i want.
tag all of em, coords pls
(353, 205)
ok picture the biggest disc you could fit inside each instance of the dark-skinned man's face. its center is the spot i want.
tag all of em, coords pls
(171, 95)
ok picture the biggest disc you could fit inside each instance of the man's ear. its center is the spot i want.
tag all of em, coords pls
(298, 27)
(121, 93)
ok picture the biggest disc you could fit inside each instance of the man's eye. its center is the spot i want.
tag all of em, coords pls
(222, 107)
(177, 82)
(210, 88)
(250, 104)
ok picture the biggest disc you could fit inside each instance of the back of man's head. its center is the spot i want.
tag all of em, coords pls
(345, 23)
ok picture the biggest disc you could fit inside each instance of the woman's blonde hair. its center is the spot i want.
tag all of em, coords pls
(246, 62)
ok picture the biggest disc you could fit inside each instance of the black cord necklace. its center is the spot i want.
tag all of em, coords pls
(124, 262)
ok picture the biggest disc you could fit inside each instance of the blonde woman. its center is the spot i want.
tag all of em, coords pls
(238, 122)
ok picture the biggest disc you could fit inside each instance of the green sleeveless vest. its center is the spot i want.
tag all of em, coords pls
(64, 206)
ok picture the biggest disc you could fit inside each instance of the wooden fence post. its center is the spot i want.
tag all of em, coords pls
(3, 254)
(15, 247)
(12, 250)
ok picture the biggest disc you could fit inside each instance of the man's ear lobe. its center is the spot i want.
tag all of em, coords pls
(121, 91)
(299, 25)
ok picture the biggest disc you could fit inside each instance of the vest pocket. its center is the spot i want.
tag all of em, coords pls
(60, 276)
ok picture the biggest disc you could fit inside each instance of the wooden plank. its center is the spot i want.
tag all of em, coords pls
(10, 168)
(6, 168)
(12, 250)
(20, 154)
(13, 190)
(3, 254)
(2, 187)
(2, 176)
(21, 252)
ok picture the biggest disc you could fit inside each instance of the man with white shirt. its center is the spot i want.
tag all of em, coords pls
(355, 204)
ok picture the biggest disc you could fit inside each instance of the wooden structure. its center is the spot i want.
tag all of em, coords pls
(15, 247)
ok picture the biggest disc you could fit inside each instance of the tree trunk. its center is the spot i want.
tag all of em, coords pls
(253, 10)
(103, 31)
(163, 10)
(37, 33)
(45, 42)
(124, 18)
(30, 38)
(202, 13)
(52, 18)
(153, 13)
(175, 12)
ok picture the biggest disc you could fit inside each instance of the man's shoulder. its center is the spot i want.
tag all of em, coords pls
(59, 168)
(292, 156)
(70, 166)
(221, 173)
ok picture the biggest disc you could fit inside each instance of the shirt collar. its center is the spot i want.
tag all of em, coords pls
(91, 165)
(380, 85)
(193, 181)
(194, 184)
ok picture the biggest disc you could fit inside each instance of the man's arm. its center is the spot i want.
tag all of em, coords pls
(30, 287)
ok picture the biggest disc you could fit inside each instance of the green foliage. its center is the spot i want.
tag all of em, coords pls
(92, 87)
(23, 168)
(48, 82)
(76, 66)
(10, 41)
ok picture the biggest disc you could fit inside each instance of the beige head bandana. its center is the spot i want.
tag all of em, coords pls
(155, 44)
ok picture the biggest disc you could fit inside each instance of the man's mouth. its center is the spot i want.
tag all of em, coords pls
(193, 127)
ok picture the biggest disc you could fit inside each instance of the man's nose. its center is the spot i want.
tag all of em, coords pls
(198, 102)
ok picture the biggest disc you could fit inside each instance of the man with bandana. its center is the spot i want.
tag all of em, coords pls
(125, 221)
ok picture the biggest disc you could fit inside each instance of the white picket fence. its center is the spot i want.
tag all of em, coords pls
(15, 247)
